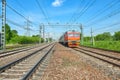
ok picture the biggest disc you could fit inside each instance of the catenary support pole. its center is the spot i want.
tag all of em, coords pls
(92, 38)
(3, 41)
(40, 34)
(43, 32)
(82, 39)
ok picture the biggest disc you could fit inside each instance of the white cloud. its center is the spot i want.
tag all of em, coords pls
(57, 3)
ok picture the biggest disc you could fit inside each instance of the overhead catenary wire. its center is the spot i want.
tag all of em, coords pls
(81, 1)
(75, 16)
(17, 12)
(111, 14)
(16, 24)
(85, 10)
(18, 2)
(108, 29)
(78, 12)
(43, 12)
(103, 10)
(109, 26)
(28, 29)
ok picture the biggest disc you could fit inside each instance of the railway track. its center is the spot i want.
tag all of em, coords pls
(100, 49)
(11, 52)
(104, 56)
(24, 68)
(8, 57)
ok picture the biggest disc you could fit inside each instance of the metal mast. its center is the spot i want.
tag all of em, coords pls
(81, 34)
(40, 34)
(43, 32)
(92, 38)
(28, 27)
(3, 41)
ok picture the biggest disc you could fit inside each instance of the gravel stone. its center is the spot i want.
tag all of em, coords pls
(66, 65)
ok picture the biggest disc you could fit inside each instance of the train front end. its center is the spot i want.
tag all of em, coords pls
(73, 39)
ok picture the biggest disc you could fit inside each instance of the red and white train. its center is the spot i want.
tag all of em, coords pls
(70, 38)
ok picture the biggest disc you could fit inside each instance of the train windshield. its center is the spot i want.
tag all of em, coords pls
(70, 35)
(77, 35)
(74, 35)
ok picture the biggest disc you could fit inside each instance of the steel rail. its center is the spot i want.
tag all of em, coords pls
(8, 53)
(29, 74)
(118, 65)
(2, 52)
(113, 57)
(3, 68)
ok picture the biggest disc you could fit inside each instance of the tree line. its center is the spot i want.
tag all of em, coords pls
(13, 37)
(106, 36)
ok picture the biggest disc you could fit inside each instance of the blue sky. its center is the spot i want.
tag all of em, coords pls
(66, 11)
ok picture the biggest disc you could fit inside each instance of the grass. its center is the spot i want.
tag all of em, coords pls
(110, 45)
(13, 46)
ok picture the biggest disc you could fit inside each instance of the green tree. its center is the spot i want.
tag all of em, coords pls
(35, 35)
(103, 37)
(87, 38)
(8, 33)
(14, 33)
(117, 35)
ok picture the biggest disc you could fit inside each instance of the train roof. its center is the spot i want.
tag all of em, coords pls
(69, 32)
(72, 31)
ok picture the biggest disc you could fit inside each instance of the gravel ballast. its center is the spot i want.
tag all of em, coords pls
(66, 65)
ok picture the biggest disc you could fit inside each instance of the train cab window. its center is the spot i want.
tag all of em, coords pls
(70, 35)
(77, 35)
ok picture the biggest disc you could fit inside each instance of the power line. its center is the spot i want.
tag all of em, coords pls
(16, 24)
(113, 13)
(42, 11)
(81, 1)
(17, 12)
(79, 12)
(111, 29)
(20, 5)
(107, 26)
(103, 10)
(85, 10)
